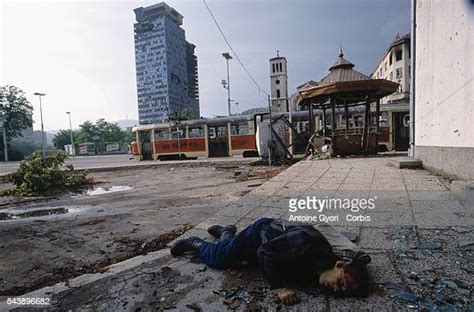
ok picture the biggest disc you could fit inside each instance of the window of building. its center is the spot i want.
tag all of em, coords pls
(277, 82)
(398, 55)
(385, 66)
(391, 75)
(281, 68)
(399, 72)
(390, 59)
(273, 67)
(278, 93)
(196, 132)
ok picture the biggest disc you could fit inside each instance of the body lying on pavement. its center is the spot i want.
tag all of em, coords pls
(287, 254)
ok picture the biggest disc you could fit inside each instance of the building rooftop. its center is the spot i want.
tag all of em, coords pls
(342, 70)
(159, 9)
(397, 40)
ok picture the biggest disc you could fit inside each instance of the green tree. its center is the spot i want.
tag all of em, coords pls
(88, 132)
(188, 114)
(101, 132)
(15, 111)
(63, 137)
(183, 114)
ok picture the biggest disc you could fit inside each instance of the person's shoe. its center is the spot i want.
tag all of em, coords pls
(219, 231)
(363, 257)
(192, 243)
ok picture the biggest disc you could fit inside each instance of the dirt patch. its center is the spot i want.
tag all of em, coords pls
(66, 273)
(92, 222)
(265, 174)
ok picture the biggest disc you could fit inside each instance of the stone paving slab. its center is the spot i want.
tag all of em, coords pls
(443, 220)
(430, 195)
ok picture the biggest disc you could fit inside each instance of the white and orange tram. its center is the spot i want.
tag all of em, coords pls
(219, 137)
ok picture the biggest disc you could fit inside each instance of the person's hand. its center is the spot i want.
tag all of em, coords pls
(287, 296)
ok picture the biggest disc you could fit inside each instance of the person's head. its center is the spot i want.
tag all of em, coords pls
(350, 279)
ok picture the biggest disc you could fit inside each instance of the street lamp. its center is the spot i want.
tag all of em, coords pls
(42, 126)
(227, 58)
(70, 131)
(237, 105)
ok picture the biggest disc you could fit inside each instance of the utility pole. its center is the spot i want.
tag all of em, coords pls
(270, 145)
(42, 126)
(227, 58)
(70, 132)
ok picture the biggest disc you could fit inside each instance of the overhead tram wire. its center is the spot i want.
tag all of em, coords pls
(232, 49)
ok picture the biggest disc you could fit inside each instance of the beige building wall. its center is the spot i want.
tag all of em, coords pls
(444, 86)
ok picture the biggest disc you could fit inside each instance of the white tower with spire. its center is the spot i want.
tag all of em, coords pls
(279, 84)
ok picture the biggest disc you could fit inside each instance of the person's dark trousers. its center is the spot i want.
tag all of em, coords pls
(242, 247)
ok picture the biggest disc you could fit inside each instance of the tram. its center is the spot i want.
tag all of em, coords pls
(189, 139)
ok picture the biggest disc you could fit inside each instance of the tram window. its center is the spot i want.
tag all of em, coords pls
(221, 132)
(234, 130)
(356, 121)
(174, 133)
(383, 119)
(162, 134)
(197, 132)
(241, 128)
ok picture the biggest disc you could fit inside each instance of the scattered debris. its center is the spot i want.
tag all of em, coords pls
(92, 222)
(254, 185)
(463, 244)
(194, 306)
(429, 246)
(108, 189)
(33, 213)
(405, 296)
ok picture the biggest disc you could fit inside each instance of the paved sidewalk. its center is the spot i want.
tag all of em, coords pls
(420, 237)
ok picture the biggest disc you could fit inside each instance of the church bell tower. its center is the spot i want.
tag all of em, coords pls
(279, 84)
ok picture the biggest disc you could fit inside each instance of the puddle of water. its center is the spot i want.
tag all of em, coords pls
(32, 214)
(106, 190)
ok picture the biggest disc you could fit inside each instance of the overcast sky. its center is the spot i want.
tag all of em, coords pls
(81, 53)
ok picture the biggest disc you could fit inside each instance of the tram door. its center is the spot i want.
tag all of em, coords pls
(401, 130)
(218, 141)
(145, 142)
